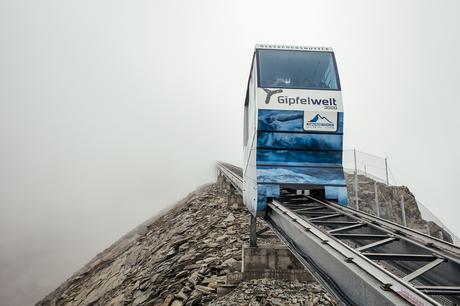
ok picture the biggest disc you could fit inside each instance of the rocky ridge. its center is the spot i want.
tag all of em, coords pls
(181, 258)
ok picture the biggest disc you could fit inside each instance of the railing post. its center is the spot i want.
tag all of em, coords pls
(403, 212)
(386, 170)
(356, 180)
(377, 206)
(253, 232)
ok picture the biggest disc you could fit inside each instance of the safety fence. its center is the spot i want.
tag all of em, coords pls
(368, 165)
(373, 189)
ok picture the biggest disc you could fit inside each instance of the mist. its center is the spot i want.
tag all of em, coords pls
(113, 110)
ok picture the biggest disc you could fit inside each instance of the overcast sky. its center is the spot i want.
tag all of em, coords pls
(112, 110)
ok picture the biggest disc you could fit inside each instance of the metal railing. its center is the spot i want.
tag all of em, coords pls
(368, 165)
(373, 189)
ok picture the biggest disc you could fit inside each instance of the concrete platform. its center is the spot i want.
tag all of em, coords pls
(272, 262)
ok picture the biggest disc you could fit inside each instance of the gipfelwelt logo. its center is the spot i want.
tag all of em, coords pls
(296, 100)
(270, 93)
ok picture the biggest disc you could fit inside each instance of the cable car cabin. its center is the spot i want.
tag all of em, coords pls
(293, 125)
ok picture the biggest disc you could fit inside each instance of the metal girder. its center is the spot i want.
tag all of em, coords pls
(425, 268)
(309, 208)
(253, 231)
(345, 228)
(332, 222)
(315, 213)
(400, 257)
(375, 244)
(359, 236)
(325, 217)
(439, 290)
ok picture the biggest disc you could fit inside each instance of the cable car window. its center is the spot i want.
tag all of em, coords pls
(297, 69)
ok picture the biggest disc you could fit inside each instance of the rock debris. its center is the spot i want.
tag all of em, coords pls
(181, 258)
(275, 292)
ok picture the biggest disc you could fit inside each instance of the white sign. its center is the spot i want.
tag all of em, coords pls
(320, 121)
(299, 99)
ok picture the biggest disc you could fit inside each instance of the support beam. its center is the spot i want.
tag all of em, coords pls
(403, 212)
(309, 208)
(346, 228)
(325, 217)
(333, 222)
(377, 205)
(360, 236)
(424, 269)
(317, 213)
(356, 180)
(401, 257)
(439, 290)
(253, 232)
(375, 244)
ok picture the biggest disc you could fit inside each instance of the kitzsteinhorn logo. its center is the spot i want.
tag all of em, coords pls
(319, 121)
(319, 118)
(270, 93)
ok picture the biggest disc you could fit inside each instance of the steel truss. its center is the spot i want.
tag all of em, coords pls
(359, 258)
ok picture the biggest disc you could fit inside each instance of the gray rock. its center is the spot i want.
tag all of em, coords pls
(177, 303)
(175, 259)
(195, 278)
(229, 262)
(230, 218)
(182, 295)
(205, 290)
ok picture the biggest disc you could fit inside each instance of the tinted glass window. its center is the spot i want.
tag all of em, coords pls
(297, 69)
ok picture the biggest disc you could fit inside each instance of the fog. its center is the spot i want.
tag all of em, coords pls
(113, 110)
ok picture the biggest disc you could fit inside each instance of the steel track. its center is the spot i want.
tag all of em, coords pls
(359, 258)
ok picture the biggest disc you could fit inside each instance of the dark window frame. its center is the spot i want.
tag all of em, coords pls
(339, 86)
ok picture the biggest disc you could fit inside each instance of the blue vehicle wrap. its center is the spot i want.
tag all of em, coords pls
(293, 126)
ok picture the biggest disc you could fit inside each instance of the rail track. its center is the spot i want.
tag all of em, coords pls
(359, 258)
